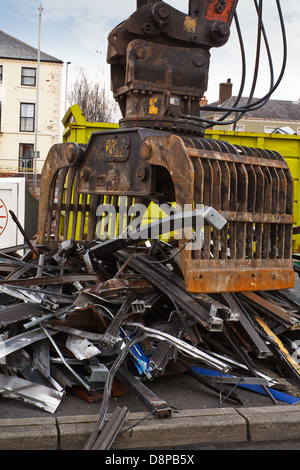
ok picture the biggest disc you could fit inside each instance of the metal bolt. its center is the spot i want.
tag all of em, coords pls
(70, 153)
(220, 29)
(198, 60)
(141, 173)
(84, 174)
(163, 12)
(146, 149)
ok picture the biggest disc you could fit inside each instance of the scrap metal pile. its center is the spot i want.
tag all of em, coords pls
(86, 316)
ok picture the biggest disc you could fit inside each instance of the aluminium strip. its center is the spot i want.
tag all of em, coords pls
(49, 316)
(50, 280)
(17, 312)
(43, 397)
(234, 364)
(183, 346)
(75, 331)
(21, 341)
(73, 372)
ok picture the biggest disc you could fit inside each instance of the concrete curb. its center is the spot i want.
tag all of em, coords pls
(187, 427)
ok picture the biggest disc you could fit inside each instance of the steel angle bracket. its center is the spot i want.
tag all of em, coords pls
(111, 429)
(154, 403)
(183, 298)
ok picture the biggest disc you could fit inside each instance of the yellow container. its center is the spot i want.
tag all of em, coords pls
(78, 129)
(287, 145)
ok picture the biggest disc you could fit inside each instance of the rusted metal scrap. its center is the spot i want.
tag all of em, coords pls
(68, 328)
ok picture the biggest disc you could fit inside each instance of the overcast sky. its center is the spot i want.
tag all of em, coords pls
(76, 31)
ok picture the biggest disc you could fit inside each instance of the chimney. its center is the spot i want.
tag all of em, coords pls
(225, 91)
(203, 101)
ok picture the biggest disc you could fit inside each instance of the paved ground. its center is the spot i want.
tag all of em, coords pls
(181, 392)
(198, 420)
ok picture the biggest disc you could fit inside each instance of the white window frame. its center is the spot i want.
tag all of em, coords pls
(27, 117)
(29, 78)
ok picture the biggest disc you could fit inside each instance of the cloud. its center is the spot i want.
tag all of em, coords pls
(76, 30)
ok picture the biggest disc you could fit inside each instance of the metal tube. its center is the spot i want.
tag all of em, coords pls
(83, 383)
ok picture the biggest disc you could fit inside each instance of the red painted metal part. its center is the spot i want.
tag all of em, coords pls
(222, 10)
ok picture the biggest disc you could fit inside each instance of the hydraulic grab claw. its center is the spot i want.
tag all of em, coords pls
(159, 61)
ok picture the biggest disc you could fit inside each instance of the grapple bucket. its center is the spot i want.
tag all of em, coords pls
(251, 188)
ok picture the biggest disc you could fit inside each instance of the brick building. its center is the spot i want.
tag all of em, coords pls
(280, 116)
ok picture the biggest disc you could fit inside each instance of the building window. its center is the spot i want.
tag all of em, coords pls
(1, 73)
(269, 129)
(27, 114)
(239, 128)
(25, 157)
(28, 76)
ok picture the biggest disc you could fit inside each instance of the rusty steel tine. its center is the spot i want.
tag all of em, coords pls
(69, 179)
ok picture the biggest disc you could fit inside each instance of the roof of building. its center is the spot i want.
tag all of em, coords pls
(279, 110)
(12, 48)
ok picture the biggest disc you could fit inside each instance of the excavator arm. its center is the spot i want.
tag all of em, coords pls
(159, 61)
(222, 10)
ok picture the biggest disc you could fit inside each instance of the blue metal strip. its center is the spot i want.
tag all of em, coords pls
(255, 388)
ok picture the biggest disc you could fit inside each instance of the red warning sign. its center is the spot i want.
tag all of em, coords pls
(3, 216)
